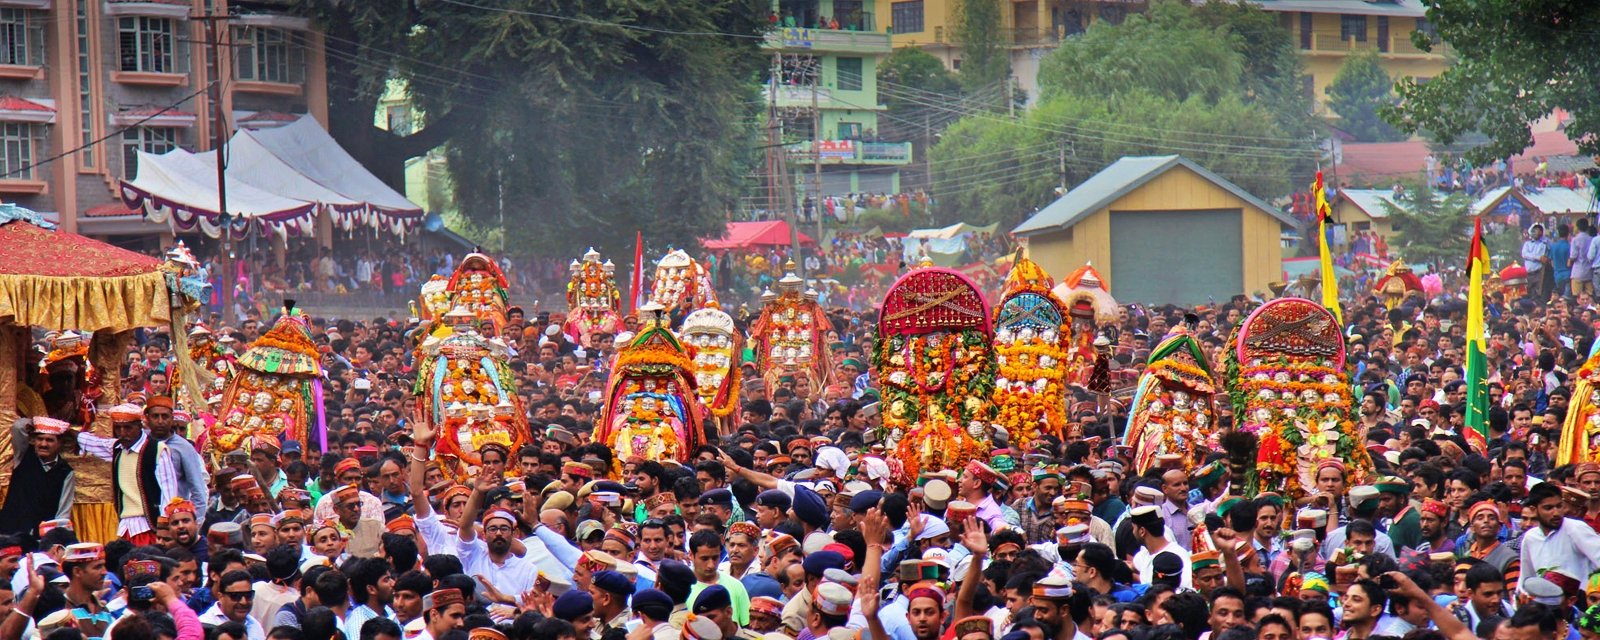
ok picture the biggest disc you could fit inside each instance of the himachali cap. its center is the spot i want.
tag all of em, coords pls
(1148, 494)
(85, 552)
(701, 628)
(1542, 591)
(499, 513)
(262, 520)
(777, 460)
(1392, 484)
(453, 491)
(1207, 475)
(1228, 504)
(982, 472)
(1312, 518)
(347, 464)
(1072, 504)
(745, 528)
(596, 560)
(126, 412)
(936, 494)
(1145, 516)
(799, 443)
(1569, 585)
(578, 469)
(661, 498)
(1486, 506)
(50, 426)
(224, 534)
(1072, 534)
(834, 599)
(403, 523)
(1169, 461)
(345, 492)
(766, 606)
(158, 401)
(485, 633)
(621, 534)
(1359, 495)
(781, 542)
(315, 528)
(918, 570)
(289, 517)
(442, 598)
(60, 523)
(974, 624)
(178, 505)
(1052, 587)
(1205, 559)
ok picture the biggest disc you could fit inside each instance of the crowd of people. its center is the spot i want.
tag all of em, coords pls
(797, 524)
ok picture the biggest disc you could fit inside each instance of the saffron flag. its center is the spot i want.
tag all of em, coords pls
(636, 285)
(1477, 418)
(1330, 280)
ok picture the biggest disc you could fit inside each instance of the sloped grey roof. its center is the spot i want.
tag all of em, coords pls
(1117, 180)
(1372, 201)
(1402, 8)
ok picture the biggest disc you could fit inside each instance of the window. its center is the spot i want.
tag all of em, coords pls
(148, 139)
(906, 16)
(1353, 27)
(85, 99)
(1383, 34)
(849, 74)
(399, 119)
(20, 143)
(849, 131)
(269, 55)
(21, 38)
(145, 44)
(1305, 30)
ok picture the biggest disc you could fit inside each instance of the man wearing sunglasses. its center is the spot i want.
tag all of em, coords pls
(235, 595)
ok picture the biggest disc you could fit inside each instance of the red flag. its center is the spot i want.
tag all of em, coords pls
(637, 286)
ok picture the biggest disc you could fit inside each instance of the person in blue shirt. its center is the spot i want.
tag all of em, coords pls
(1560, 259)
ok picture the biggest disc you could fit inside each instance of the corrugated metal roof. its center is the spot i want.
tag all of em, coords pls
(1549, 200)
(1117, 180)
(1371, 201)
(1400, 8)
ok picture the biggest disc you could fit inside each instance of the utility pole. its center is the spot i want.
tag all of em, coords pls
(219, 143)
(778, 192)
(1061, 150)
(816, 162)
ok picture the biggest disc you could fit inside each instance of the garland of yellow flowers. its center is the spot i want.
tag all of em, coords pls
(1280, 440)
(1021, 413)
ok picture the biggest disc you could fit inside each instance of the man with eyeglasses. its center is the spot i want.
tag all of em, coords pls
(365, 534)
(235, 595)
(491, 557)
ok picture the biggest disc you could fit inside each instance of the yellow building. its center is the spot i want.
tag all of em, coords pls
(1363, 210)
(1328, 31)
(1161, 229)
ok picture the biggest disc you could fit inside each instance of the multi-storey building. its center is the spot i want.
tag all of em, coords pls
(1328, 31)
(825, 90)
(93, 81)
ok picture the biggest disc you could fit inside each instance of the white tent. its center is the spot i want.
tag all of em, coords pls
(280, 179)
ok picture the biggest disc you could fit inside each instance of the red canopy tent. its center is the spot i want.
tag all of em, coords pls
(741, 235)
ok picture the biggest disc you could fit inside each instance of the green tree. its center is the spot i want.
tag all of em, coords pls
(1516, 62)
(916, 69)
(564, 116)
(985, 58)
(1172, 80)
(1357, 94)
(1431, 228)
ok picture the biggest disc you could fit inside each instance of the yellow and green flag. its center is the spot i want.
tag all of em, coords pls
(1330, 280)
(1477, 419)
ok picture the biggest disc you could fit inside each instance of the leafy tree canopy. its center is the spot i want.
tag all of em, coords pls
(1432, 228)
(1172, 80)
(1517, 62)
(1357, 93)
(984, 56)
(580, 131)
(912, 67)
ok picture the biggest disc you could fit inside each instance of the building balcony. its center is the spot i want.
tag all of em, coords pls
(828, 41)
(1396, 46)
(852, 152)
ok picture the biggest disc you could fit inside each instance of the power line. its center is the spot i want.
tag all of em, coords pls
(602, 23)
(111, 135)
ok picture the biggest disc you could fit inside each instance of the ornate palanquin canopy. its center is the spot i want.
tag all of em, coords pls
(59, 280)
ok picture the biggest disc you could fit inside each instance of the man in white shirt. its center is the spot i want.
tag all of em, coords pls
(1535, 253)
(1559, 543)
(1150, 528)
(235, 595)
(491, 556)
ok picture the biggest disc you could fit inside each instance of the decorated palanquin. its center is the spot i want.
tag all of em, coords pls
(791, 336)
(935, 362)
(1580, 433)
(594, 305)
(1087, 298)
(1172, 413)
(681, 284)
(1031, 339)
(467, 388)
(1514, 281)
(208, 355)
(434, 300)
(1397, 283)
(1287, 383)
(480, 287)
(718, 345)
(276, 390)
(652, 408)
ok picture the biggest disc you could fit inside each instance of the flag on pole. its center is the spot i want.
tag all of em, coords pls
(1330, 280)
(1477, 419)
(636, 286)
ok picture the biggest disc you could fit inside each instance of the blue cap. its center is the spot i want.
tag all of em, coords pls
(712, 598)
(654, 603)
(573, 605)
(721, 497)
(760, 584)
(290, 446)
(809, 507)
(774, 499)
(613, 582)
(818, 563)
(865, 500)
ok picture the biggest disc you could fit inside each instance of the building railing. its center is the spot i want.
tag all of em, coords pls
(1397, 45)
(852, 152)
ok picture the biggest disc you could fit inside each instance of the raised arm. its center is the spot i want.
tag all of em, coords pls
(977, 542)
(480, 488)
(1448, 624)
(763, 480)
(421, 438)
